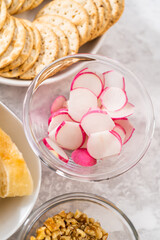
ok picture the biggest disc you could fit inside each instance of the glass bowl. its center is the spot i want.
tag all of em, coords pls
(51, 83)
(111, 218)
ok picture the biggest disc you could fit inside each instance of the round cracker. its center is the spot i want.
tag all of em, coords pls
(36, 4)
(67, 27)
(16, 45)
(3, 13)
(15, 6)
(100, 7)
(25, 52)
(92, 11)
(71, 10)
(6, 34)
(117, 9)
(8, 3)
(48, 53)
(107, 17)
(31, 59)
(25, 6)
(62, 40)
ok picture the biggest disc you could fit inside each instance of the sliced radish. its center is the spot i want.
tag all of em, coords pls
(46, 144)
(80, 101)
(83, 70)
(58, 150)
(57, 118)
(99, 103)
(65, 104)
(88, 80)
(113, 99)
(122, 133)
(114, 79)
(96, 121)
(85, 143)
(69, 135)
(126, 111)
(127, 126)
(104, 144)
(57, 103)
(82, 157)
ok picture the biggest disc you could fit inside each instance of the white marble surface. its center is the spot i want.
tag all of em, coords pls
(134, 41)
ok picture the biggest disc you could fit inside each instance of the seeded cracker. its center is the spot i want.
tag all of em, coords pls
(67, 27)
(48, 53)
(71, 10)
(31, 59)
(16, 45)
(3, 13)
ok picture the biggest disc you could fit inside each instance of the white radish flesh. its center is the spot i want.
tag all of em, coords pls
(118, 129)
(127, 126)
(104, 144)
(113, 99)
(58, 103)
(61, 153)
(57, 118)
(69, 135)
(96, 121)
(114, 79)
(126, 111)
(82, 157)
(80, 101)
(88, 80)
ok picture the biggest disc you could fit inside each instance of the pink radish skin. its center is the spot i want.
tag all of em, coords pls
(127, 126)
(46, 144)
(82, 158)
(113, 99)
(126, 111)
(88, 80)
(83, 70)
(113, 78)
(69, 135)
(58, 150)
(96, 121)
(57, 103)
(57, 118)
(104, 144)
(122, 133)
(56, 113)
(80, 101)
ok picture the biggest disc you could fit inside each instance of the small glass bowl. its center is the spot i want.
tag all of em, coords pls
(51, 83)
(111, 218)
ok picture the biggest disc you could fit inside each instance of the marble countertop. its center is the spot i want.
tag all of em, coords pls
(134, 41)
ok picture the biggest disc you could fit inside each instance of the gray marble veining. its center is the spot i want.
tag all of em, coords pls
(134, 41)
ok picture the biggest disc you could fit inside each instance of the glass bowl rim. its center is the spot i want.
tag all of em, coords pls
(42, 156)
(66, 198)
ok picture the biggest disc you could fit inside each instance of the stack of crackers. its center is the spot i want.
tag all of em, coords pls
(59, 29)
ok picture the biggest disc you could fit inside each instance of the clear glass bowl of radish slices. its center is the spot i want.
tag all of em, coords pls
(87, 117)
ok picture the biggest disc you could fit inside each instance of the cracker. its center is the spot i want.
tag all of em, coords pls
(118, 12)
(36, 4)
(25, 52)
(8, 3)
(48, 53)
(31, 59)
(6, 34)
(71, 10)
(92, 11)
(100, 7)
(16, 45)
(107, 17)
(25, 6)
(15, 5)
(3, 13)
(67, 27)
(62, 40)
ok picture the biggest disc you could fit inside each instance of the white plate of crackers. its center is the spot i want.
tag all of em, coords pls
(20, 174)
(34, 33)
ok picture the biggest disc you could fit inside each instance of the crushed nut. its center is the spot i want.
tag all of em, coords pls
(70, 226)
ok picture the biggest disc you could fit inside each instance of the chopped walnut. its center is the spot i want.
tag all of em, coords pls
(70, 226)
